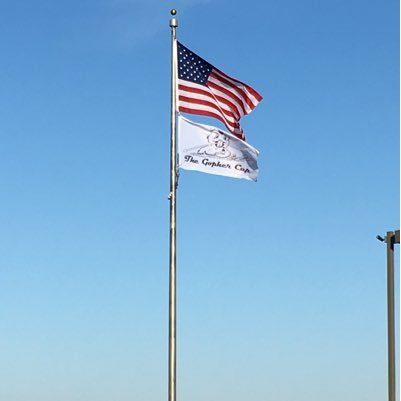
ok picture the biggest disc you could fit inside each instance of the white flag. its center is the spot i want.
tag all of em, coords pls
(210, 150)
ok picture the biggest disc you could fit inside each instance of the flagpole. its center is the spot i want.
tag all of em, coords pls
(391, 239)
(173, 231)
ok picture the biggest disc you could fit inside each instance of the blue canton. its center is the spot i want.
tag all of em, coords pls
(192, 67)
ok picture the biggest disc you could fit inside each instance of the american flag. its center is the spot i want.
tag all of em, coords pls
(203, 89)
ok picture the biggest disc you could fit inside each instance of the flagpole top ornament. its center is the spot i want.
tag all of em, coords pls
(173, 21)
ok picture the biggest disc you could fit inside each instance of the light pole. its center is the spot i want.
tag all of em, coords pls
(392, 237)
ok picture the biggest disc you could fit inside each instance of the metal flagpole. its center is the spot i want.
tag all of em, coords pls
(390, 239)
(173, 193)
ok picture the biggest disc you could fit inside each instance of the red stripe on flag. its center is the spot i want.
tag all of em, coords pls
(198, 90)
(250, 89)
(208, 104)
(222, 89)
(238, 90)
(216, 98)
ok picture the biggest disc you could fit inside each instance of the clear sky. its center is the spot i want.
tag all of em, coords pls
(281, 283)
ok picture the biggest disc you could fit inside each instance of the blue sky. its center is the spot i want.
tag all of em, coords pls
(281, 283)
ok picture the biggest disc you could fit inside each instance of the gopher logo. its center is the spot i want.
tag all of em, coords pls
(218, 144)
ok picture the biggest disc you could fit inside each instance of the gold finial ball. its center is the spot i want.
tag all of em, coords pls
(173, 11)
